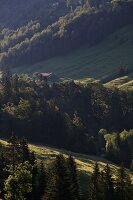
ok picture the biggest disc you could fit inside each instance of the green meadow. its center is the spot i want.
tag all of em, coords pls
(99, 62)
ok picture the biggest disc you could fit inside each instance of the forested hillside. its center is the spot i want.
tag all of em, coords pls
(90, 118)
(16, 13)
(73, 24)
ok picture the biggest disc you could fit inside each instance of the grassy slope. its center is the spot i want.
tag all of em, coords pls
(85, 163)
(98, 62)
(123, 83)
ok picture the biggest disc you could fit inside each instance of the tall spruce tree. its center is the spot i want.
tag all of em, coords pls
(73, 178)
(95, 187)
(124, 189)
(108, 185)
(41, 181)
(34, 172)
(24, 150)
(58, 184)
(13, 150)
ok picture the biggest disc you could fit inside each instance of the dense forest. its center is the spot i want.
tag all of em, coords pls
(90, 118)
(70, 24)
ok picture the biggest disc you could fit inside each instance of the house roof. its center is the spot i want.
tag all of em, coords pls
(46, 74)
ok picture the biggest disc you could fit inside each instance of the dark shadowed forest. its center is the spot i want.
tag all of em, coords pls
(89, 118)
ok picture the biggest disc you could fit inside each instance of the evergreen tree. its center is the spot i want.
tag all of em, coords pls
(13, 150)
(124, 189)
(58, 185)
(32, 158)
(95, 190)
(24, 150)
(73, 179)
(34, 172)
(108, 185)
(41, 181)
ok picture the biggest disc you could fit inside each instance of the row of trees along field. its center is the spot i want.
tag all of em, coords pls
(68, 115)
(22, 177)
(34, 42)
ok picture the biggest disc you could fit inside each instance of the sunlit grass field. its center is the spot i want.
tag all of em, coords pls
(85, 163)
(123, 83)
(99, 61)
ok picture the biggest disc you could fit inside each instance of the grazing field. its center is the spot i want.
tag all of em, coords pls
(99, 61)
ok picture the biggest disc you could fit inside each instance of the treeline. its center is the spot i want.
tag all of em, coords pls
(86, 23)
(15, 14)
(10, 38)
(68, 115)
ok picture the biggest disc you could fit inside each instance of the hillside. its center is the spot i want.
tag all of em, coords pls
(100, 62)
(75, 39)
(85, 163)
(123, 83)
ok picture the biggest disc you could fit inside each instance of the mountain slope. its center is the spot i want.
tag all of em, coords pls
(83, 24)
(101, 61)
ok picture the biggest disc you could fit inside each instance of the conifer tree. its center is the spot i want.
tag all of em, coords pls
(124, 189)
(58, 185)
(24, 150)
(95, 190)
(13, 150)
(32, 158)
(73, 179)
(41, 181)
(108, 185)
(34, 172)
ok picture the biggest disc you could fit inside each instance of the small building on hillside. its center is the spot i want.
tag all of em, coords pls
(50, 77)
